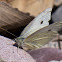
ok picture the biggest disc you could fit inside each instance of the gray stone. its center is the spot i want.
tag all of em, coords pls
(57, 15)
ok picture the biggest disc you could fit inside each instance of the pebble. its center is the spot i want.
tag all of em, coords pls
(57, 15)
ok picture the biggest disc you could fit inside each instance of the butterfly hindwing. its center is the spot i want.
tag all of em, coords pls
(40, 39)
(42, 36)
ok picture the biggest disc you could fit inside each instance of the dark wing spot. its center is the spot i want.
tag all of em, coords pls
(41, 22)
(49, 30)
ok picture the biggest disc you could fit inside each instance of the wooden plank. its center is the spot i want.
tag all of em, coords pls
(11, 18)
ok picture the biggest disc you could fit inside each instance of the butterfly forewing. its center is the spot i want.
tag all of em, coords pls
(39, 22)
(39, 39)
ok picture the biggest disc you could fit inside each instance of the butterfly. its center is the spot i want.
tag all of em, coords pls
(36, 24)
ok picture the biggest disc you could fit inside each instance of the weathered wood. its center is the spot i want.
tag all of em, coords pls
(34, 7)
(2, 0)
(11, 18)
(7, 0)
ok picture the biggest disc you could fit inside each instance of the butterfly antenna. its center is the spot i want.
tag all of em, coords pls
(8, 31)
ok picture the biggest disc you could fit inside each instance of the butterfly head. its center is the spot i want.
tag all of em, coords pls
(20, 43)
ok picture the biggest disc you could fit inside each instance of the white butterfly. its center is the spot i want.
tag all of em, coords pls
(28, 36)
(39, 22)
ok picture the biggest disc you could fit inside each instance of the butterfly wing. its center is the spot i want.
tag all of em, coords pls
(42, 36)
(39, 22)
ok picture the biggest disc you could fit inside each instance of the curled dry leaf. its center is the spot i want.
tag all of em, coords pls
(34, 7)
(11, 18)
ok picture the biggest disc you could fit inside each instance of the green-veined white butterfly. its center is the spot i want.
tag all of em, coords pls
(38, 23)
(40, 37)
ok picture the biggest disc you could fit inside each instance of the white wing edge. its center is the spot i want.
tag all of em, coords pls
(32, 26)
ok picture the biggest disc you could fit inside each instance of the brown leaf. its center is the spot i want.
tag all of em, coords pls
(34, 7)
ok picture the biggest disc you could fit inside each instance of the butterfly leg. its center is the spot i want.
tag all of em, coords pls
(59, 45)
